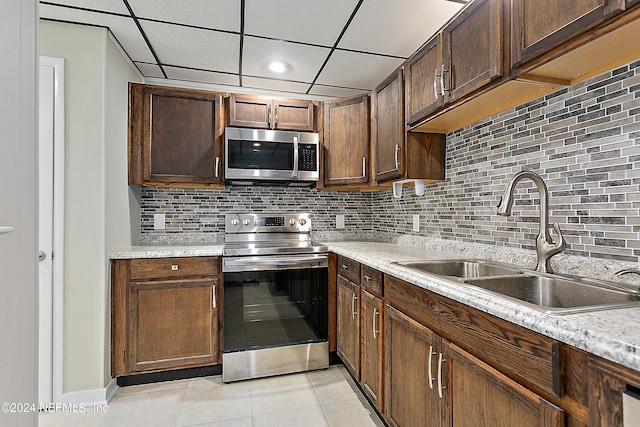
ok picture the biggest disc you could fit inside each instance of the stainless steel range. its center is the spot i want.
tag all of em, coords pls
(275, 296)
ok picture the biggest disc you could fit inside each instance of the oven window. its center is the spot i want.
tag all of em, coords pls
(260, 155)
(274, 308)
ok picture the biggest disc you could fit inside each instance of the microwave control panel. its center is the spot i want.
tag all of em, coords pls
(308, 157)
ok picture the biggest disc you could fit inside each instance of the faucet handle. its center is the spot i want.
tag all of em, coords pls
(561, 244)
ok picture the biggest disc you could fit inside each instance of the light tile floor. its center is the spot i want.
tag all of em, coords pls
(319, 398)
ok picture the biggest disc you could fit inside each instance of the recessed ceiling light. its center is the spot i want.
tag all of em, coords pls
(278, 67)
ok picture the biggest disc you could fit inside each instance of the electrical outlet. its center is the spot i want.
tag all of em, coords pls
(159, 222)
(339, 221)
(416, 223)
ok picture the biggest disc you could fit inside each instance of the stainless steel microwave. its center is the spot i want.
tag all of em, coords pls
(271, 156)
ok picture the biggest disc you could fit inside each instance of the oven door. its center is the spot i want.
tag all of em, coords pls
(274, 301)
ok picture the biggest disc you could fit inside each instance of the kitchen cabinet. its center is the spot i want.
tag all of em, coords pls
(371, 347)
(348, 324)
(424, 80)
(347, 148)
(175, 137)
(472, 49)
(165, 314)
(265, 113)
(400, 154)
(430, 381)
(614, 393)
(540, 26)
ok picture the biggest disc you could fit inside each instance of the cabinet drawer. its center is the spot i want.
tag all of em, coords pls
(372, 280)
(349, 269)
(168, 268)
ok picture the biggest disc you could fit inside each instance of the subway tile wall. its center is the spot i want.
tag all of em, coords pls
(583, 140)
(198, 214)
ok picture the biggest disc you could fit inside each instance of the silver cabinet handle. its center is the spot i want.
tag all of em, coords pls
(275, 124)
(444, 89)
(269, 115)
(431, 353)
(397, 156)
(375, 332)
(354, 313)
(215, 302)
(42, 255)
(366, 278)
(345, 267)
(435, 83)
(175, 267)
(440, 388)
(217, 166)
(5, 230)
(364, 167)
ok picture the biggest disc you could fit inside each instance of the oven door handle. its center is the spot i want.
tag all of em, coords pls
(259, 263)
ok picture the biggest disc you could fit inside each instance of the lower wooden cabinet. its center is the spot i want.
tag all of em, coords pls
(371, 347)
(348, 324)
(165, 314)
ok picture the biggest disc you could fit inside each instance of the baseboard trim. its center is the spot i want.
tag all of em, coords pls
(100, 396)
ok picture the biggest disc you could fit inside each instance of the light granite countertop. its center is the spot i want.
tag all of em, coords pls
(611, 334)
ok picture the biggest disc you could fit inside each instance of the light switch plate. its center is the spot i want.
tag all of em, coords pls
(416, 222)
(339, 221)
(159, 222)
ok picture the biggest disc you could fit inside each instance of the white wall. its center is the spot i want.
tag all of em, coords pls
(18, 208)
(97, 217)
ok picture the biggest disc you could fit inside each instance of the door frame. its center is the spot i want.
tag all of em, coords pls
(57, 295)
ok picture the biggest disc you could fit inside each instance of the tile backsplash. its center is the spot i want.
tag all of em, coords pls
(583, 140)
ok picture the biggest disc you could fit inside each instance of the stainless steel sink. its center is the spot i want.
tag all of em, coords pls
(549, 293)
(556, 295)
(463, 269)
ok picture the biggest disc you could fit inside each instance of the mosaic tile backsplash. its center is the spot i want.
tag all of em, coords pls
(583, 140)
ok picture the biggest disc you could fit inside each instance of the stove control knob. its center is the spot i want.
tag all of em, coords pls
(292, 222)
(235, 222)
(303, 221)
(246, 222)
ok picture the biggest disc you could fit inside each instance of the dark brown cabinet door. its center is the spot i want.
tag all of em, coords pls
(481, 396)
(293, 115)
(346, 141)
(173, 323)
(371, 332)
(408, 383)
(389, 139)
(539, 26)
(348, 325)
(473, 48)
(265, 113)
(179, 137)
(423, 81)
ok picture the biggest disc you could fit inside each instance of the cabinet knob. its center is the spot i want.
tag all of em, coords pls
(345, 266)
(174, 267)
(367, 278)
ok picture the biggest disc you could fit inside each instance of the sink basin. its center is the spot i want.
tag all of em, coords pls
(464, 269)
(556, 295)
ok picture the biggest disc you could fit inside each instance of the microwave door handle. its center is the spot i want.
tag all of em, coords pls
(294, 174)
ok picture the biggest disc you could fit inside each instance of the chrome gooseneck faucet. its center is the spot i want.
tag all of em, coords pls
(545, 247)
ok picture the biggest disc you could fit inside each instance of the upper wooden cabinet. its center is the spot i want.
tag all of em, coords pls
(472, 49)
(347, 149)
(539, 26)
(423, 76)
(266, 113)
(400, 154)
(466, 56)
(175, 136)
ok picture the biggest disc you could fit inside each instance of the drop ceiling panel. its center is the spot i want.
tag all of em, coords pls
(275, 85)
(357, 70)
(113, 6)
(315, 22)
(201, 76)
(396, 27)
(304, 61)
(193, 47)
(218, 14)
(124, 29)
(334, 92)
(149, 70)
